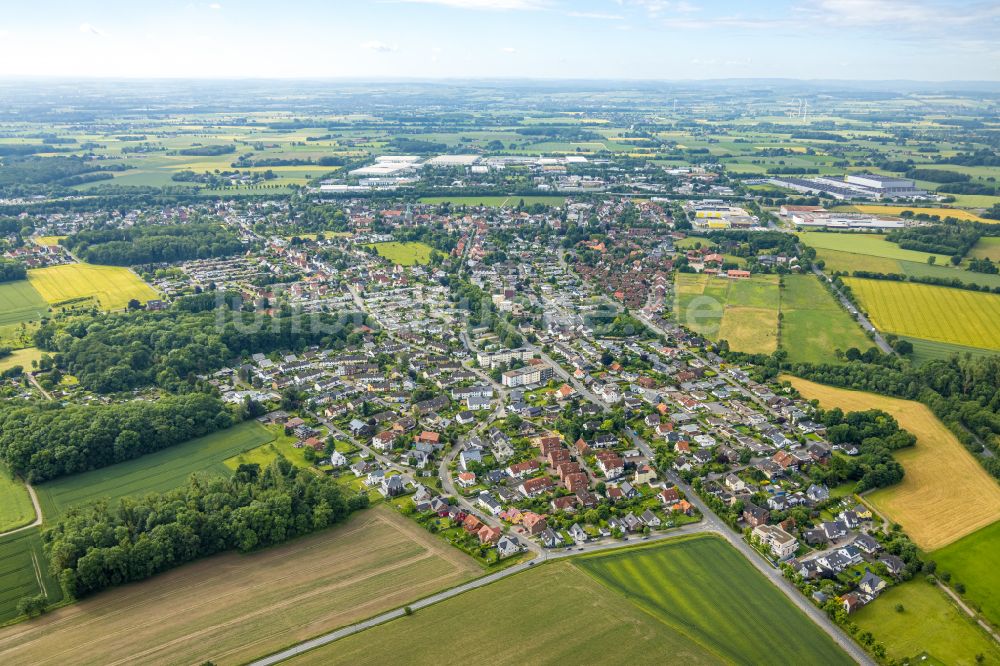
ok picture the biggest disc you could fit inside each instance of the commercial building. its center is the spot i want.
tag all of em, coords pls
(854, 186)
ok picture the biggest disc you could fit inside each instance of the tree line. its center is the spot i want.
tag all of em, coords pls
(105, 544)
(41, 441)
(876, 435)
(153, 244)
(12, 270)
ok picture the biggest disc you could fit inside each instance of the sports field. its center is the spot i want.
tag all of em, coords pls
(112, 286)
(813, 323)
(986, 248)
(405, 254)
(159, 471)
(943, 314)
(691, 600)
(974, 561)
(16, 509)
(20, 302)
(873, 245)
(232, 608)
(24, 572)
(929, 623)
(938, 470)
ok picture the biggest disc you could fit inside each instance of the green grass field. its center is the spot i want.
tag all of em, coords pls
(159, 471)
(705, 589)
(813, 324)
(281, 446)
(496, 202)
(24, 572)
(20, 302)
(405, 254)
(873, 245)
(948, 273)
(21, 357)
(15, 505)
(931, 350)
(974, 561)
(112, 286)
(986, 248)
(929, 623)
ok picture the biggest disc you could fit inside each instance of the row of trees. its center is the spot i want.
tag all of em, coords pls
(104, 545)
(41, 441)
(154, 244)
(12, 270)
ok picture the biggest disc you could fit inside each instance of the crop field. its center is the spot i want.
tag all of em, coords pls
(233, 608)
(814, 324)
(48, 240)
(20, 302)
(935, 313)
(846, 262)
(24, 572)
(873, 245)
(112, 286)
(987, 247)
(405, 254)
(745, 313)
(154, 472)
(690, 599)
(938, 469)
(929, 350)
(495, 202)
(929, 623)
(21, 357)
(957, 213)
(974, 561)
(948, 273)
(705, 589)
(16, 509)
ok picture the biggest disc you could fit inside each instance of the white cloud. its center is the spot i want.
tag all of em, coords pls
(509, 49)
(484, 4)
(378, 47)
(596, 15)
(87, 28)
(215, 5)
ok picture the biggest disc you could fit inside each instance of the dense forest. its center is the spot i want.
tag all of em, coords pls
(119, 352)
(153, 244)
(964, 392)
(876, 435)
(41, 441)
(104, 545)
(12, 270)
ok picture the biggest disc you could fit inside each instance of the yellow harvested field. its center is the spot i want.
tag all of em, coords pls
(957, 213)
(112, 286)
(945, 493)
(936, 313)
(231, 609)
(750, 330)
(48, 240)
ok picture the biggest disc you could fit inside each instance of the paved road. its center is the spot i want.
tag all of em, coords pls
(858, 315)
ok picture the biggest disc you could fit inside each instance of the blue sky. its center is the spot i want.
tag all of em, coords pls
(607, 39)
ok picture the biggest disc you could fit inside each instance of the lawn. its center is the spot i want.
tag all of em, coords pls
(231, 609)
(405, 254)
(20, 302)
(16, 509)
(163, 470)
(862, 243)
(943, 314)
(281, 446)
(974, 561)
(112, 286)
(938, 469)
(24, 572)
(814, 324)
(495, 202)
(705, 589)
(987, 247)
(21, 357)
(929, 623)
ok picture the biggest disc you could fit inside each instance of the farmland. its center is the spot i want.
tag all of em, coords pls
(232, 608)
(16, 509)
(155, 472)
(405, 254)
(745, 313)
(20, 302)
(873, 245)
(974, 561)
(938, 469)
(24, 572)
(930, 312)
(929, 623)
(943, 213)
(112, 286)
(684, 599)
